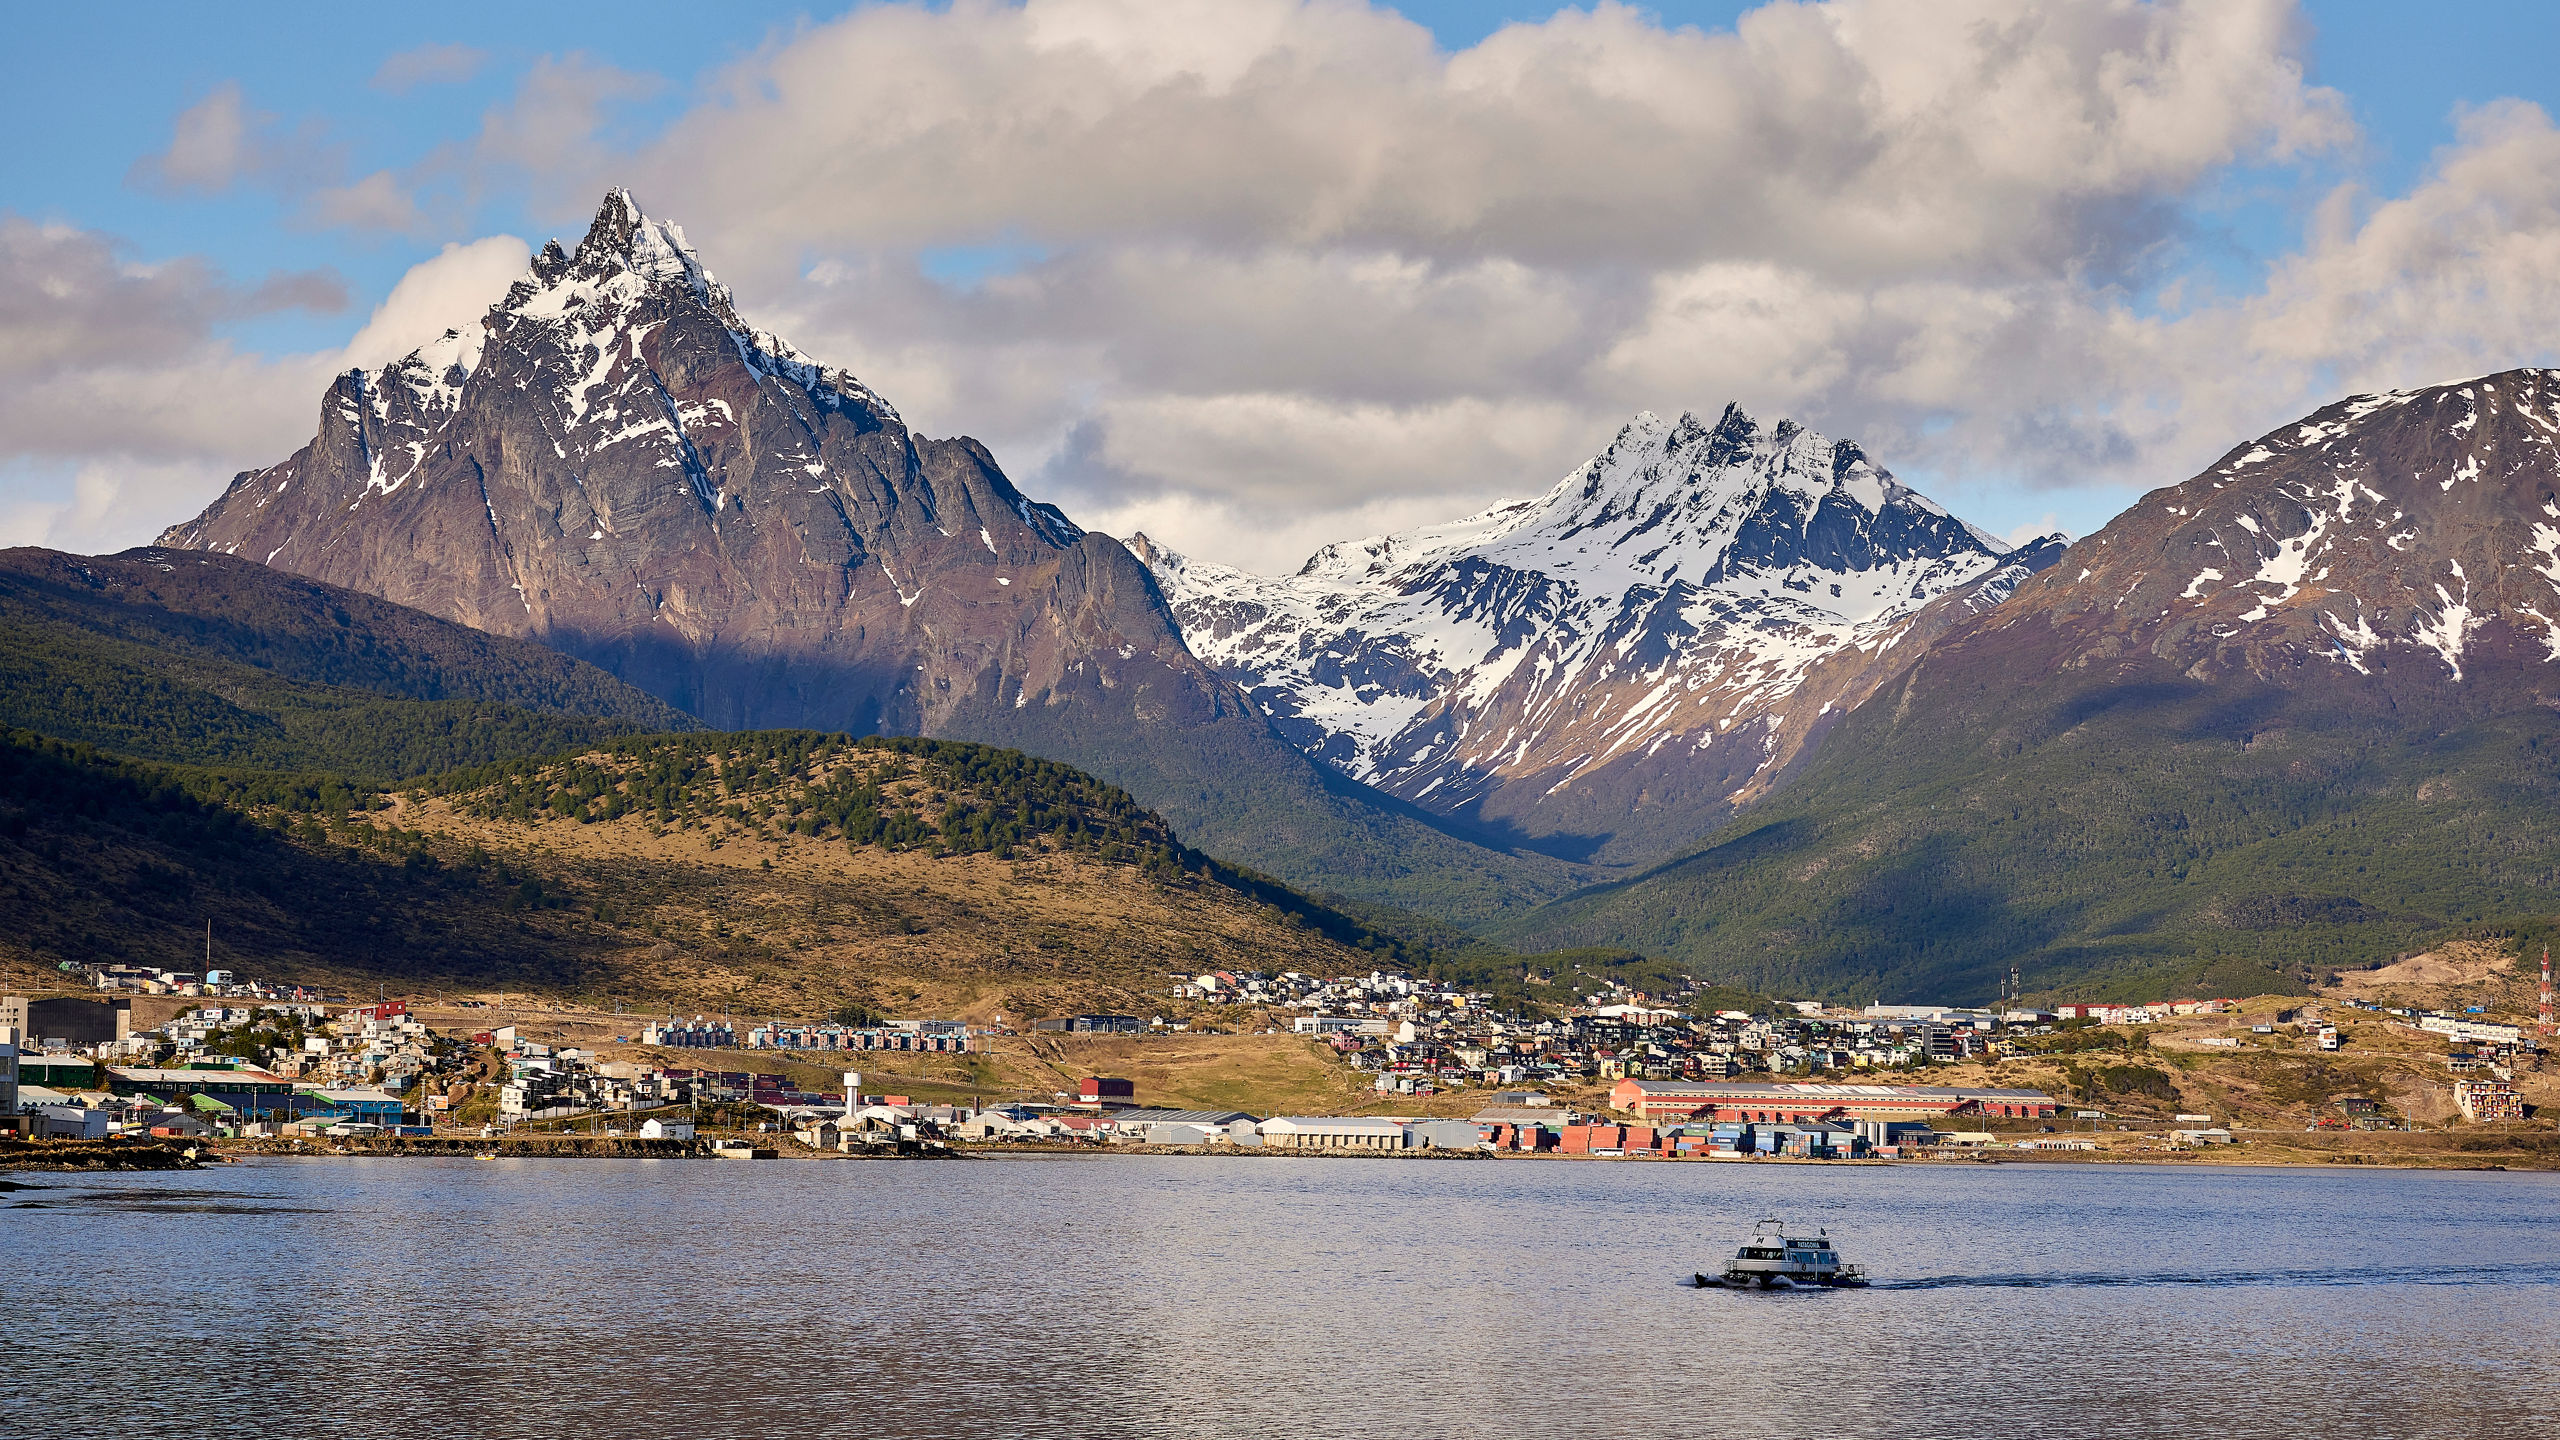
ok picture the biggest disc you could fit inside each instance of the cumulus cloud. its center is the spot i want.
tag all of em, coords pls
(123, 408)
(1285, 253)
(219, 142)
(1258, 274)
(449, 290)
(380, 201)
(428, 65)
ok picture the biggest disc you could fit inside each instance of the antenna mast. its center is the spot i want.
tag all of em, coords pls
(2546, 989)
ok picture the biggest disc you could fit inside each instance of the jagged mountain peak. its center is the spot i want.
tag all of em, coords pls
(1665, 503)
(1661, 600)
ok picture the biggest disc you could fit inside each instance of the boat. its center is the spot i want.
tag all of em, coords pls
(1774, 1260)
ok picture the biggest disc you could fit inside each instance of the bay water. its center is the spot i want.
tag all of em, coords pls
(1252, 1296)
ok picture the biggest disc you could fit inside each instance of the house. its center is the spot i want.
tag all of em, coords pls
(666, 1129)
(177, 1125)
(2487, 1100)
(1098, 1092)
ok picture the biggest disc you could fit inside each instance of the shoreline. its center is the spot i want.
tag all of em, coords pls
(96, 1157)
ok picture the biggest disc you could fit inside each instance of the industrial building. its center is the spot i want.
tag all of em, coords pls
(1805, 1102)
(70, 1020)
(1332, 1132)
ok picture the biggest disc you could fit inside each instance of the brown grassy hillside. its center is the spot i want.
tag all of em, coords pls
(760, 874)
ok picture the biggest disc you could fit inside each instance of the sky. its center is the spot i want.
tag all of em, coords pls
(1258, 275)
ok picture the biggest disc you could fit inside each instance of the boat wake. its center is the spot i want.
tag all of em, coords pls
(2531, 1273)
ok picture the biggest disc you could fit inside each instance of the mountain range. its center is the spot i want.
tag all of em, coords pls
(616, 464)
(1807, 728)
(2296, 712)
(1606, 671)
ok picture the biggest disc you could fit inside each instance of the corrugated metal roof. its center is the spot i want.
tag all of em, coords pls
(1813, 1090)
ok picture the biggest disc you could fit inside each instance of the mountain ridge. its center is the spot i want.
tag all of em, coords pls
(616, 464)
(1528, 667)
(2294, 713)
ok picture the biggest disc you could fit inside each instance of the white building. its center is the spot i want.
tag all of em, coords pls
(2457, 1028)
(1332, 1132)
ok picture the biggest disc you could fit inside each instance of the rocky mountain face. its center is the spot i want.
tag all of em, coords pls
(2411, 539)
(617, 464)
(1605, 671)
(2296, 712)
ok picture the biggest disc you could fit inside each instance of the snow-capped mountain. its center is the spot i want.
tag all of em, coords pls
(1607, 667)
(2299, 711)
(2412, 536)
(616, 463)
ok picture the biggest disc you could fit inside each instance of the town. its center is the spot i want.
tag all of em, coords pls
(175, 1057)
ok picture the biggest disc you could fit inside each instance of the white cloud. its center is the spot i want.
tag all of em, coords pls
(449, 290)
(379, 201)
(122, 408)
(1287, 253)
(1276, 272)
(428, 65)
(219, 142)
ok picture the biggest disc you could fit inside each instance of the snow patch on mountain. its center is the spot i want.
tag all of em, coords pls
(1679, 583)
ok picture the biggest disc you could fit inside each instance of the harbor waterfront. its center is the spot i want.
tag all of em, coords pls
(1221, 1296)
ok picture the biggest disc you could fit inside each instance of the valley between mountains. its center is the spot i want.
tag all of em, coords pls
(1729, 698)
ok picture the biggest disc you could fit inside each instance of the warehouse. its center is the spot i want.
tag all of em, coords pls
(1797, 1103)
(1332, 1132)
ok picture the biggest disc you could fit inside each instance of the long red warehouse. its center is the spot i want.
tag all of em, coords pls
(1691, 1100)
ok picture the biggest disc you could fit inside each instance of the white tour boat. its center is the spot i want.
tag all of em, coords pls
(1775, 1260)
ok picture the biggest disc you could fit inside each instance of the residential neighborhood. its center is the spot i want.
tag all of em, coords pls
(1623, 1073)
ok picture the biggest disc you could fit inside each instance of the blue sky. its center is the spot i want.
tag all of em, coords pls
(113, 84)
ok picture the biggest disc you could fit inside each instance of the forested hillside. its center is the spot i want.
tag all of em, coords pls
(791, 870)
(204, 660)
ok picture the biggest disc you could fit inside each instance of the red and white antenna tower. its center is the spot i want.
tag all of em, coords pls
(2546, 988)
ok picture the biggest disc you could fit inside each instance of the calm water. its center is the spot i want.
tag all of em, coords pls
(1259, 1297)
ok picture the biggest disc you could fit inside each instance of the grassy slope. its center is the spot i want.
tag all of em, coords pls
(720, 906)
(208, 660)
(2109, 838)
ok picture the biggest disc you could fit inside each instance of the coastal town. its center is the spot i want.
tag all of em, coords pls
(211, 1061)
